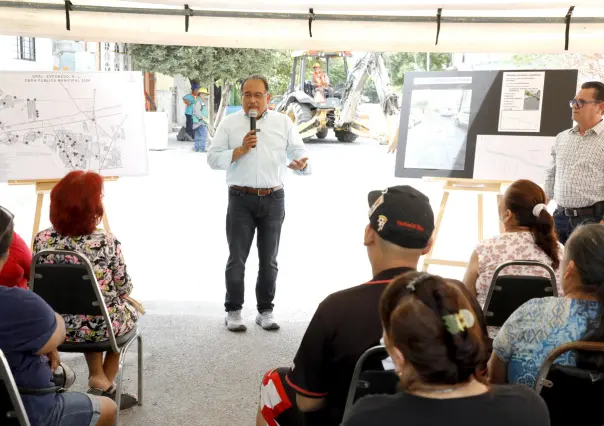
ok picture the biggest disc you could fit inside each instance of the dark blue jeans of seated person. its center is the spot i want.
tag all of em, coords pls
(247, 213)
(565, 225)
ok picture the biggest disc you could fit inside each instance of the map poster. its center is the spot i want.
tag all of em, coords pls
(55, 122)
(521, 101)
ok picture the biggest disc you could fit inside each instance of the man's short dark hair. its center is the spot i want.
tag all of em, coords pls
(256, 77)
(598, 86)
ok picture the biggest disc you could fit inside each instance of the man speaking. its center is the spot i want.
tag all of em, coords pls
(255, 161)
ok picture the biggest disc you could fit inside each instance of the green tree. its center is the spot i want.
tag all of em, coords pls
(589, 65)
(280, 76)
(206, 65)
(401, 62)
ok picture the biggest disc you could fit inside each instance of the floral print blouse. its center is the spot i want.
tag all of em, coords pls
(506, 247)
(105, 254)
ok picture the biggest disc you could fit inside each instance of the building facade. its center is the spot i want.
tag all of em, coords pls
(25, 54)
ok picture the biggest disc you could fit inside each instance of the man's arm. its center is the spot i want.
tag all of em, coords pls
(550, 175)
(220, 156)
(57, 337)
(296, 150)
(309, 374)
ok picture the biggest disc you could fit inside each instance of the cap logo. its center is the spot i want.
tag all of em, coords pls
(377, 203)
(415, 226)
(381, 222)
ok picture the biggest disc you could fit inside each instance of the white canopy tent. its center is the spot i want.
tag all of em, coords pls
(381, 25)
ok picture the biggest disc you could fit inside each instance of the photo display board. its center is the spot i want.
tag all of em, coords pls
(496, 125)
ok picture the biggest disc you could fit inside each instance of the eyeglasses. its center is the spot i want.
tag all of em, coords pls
(581, 103)
(257, 96)
(10, 221)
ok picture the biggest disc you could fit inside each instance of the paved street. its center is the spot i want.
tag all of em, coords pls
(436, 143)
(171, 225)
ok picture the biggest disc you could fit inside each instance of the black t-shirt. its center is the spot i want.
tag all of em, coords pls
(345, 325)
(515, 405)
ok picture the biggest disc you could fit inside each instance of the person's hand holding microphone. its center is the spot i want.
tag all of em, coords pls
(249, 140)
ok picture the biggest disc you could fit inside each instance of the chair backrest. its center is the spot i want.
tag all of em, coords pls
(370, 378)
(573, 395)
(69, 289)
(508, 292)
(12, 411)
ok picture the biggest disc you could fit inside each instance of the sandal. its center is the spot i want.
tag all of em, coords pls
(127, 400)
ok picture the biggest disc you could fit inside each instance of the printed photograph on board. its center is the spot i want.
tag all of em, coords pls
(438, 128)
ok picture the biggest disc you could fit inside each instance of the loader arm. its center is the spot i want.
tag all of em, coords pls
(371, 64)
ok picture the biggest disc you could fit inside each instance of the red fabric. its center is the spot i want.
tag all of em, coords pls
(15, 272)
(270, 414)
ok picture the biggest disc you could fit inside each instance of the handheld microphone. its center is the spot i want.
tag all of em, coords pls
(253, 114)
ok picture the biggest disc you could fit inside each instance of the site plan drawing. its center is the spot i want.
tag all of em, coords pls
(55, 122)
(502, 157)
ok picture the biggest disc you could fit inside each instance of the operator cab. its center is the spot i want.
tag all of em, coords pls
(333, 64)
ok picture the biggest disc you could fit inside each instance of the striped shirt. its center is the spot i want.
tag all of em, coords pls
(575, 177)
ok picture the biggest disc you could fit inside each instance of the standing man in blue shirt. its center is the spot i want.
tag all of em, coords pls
(189, 100)
(255, 162)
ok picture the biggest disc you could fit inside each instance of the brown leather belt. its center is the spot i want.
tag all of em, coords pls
(261, 192)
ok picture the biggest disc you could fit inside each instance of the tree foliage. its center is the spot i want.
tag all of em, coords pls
(280, 75)
(203, 64)
(401, 62)
(589, 65)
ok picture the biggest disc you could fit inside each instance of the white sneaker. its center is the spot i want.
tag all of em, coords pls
(234, 322)
(267, 321)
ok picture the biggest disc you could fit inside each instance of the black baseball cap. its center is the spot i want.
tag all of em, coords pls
(402, 215)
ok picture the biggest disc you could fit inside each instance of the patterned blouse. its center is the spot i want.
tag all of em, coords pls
(506, 247)
(105, 254)
(535, 329)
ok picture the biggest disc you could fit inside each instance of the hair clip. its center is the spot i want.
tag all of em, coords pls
(456, 323)
(415, 281)
(538, 209)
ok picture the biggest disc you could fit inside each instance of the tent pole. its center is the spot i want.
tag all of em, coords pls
(299, 16)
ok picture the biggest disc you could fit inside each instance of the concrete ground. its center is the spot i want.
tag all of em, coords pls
(171, 225)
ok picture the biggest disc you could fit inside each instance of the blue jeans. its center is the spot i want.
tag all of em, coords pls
(201, 134)
(246, 213)
(565, 225)
(74, 409)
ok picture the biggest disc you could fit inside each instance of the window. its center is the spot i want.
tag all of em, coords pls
(26, 48)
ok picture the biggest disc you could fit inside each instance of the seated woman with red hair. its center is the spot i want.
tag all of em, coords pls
(76, 208)
(15, 272)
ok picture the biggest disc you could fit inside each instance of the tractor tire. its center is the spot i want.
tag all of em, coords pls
(322, 134)
(299, 113)
(345, 136)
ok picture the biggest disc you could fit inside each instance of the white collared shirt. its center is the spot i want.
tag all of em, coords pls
(263, 166)
(575, 177)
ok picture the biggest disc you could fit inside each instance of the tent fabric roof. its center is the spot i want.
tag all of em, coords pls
(382, 25)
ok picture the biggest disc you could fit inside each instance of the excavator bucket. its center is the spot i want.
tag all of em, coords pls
(393, 121)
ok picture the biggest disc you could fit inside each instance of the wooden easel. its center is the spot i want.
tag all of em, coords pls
(44, 187)
(480, 187)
